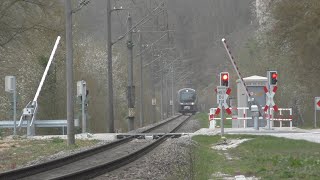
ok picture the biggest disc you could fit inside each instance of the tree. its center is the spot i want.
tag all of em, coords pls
(20, 16)
(28, 29)
(293, 42)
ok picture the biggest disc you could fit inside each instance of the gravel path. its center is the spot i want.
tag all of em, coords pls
(295, 133)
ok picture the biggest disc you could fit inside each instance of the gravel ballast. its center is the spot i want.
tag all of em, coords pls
(162, 163)
(168, 161)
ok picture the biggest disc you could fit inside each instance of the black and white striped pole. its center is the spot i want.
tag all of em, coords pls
(250, 99)
(236, 68)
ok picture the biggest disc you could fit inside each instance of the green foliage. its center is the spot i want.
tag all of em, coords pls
(43, 61)
(57, 140)
(263, 156)
(293, 44)
(203, 119)
(204, 122)
(22, 151)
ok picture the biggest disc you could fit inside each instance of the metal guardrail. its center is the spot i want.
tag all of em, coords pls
(38, 123)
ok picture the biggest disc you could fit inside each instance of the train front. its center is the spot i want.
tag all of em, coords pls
(187, 101)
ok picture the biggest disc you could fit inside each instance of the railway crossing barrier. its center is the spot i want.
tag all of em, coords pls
(243, 115)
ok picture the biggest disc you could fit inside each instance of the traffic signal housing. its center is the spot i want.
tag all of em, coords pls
(273, 78)
(224, 79)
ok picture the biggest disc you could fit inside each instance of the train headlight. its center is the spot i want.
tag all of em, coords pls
(192, 103)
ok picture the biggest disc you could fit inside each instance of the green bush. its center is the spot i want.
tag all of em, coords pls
(57, 140)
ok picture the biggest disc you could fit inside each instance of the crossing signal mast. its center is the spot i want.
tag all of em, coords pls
(224, 79)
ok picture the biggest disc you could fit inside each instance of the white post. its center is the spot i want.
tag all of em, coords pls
(212, 123)
(245, 116)
(291, 119)
(315, 112)
(15, 107)
(272, 117)
(281, 117)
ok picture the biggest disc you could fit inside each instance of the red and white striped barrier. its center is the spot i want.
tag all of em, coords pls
(281, 117)
(244, 116)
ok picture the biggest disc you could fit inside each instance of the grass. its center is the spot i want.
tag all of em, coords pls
(264, 156)
(204, 122)
(20, 151)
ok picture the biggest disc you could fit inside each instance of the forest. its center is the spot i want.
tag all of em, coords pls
(263, 34)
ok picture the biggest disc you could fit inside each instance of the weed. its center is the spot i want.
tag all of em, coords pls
(204, 122)
(56, 140)
(29, 150)
(264, 156)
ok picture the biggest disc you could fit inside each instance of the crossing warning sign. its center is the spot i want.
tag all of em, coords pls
(270, 96)
(317, 103)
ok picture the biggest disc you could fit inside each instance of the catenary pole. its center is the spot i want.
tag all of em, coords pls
(69, 72)
(131, 88)
(109, 74)
(167, 96)
(141, 83)
(161, 95)
(172, 88)
(154, 100)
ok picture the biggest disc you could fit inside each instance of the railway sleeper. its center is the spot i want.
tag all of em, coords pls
(150, 136)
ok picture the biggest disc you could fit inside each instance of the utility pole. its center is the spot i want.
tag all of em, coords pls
(141, 83)
(167, 96)
(15, 108)
(154, 100)
(131, 88)
(109, 63)
(172, 89)
(161, 87)
(69, 72)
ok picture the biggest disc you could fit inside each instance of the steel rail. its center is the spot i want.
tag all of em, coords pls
(109, 166)
(38, 168)
(161, 124)
(35, 169)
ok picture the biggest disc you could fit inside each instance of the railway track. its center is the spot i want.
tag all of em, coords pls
(97, 161)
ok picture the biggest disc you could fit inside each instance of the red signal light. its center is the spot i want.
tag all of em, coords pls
(273, 78)
(225, 77)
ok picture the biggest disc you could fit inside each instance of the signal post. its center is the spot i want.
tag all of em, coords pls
(272, 83)
(223, 91)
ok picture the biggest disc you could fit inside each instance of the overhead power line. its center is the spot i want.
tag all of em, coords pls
(141, 22)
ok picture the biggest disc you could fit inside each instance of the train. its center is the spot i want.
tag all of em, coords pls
(187, 101)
